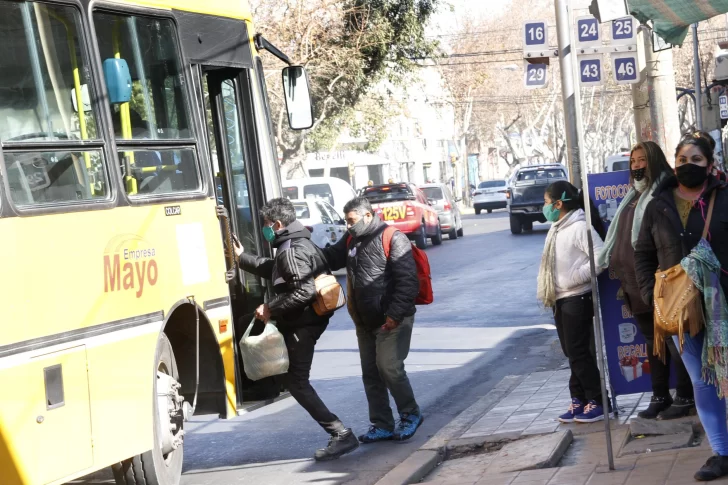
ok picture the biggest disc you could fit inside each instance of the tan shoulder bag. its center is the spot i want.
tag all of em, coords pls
(678, 302)
(329, 293)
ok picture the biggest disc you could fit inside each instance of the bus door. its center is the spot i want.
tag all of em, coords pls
(238, 188)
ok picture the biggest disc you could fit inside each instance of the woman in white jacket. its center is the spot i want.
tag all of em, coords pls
(564, 284)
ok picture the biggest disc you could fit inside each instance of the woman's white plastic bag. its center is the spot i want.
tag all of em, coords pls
(264, 355)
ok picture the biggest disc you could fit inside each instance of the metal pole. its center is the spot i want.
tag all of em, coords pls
(566, 62)
(698, 83)
(599, 341)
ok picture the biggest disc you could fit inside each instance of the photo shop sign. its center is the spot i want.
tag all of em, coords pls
(625, 347)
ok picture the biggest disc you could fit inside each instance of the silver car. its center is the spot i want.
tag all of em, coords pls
(442, 200)
(490, 195)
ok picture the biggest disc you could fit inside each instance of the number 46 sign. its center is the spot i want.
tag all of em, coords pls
(625, 68)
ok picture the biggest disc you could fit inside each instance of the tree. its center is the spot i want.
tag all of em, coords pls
(348, 47)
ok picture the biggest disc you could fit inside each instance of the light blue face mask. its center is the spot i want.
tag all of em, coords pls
(550, 212)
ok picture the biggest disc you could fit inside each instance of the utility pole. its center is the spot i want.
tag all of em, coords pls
(567, 60)
(698, 83)
(653, 99)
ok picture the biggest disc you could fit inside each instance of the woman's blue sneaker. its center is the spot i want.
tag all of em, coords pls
(408, 424)
(376, 434)
(593, 412)
(576, 408)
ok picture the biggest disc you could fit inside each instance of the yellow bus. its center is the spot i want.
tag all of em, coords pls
(136, 138)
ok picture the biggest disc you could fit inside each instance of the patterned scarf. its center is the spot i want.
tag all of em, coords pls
(704, 269)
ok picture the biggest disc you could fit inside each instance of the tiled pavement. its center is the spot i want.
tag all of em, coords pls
(533, 406)
(666, 468)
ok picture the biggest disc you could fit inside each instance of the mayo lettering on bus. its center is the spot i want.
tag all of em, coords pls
(130, 268)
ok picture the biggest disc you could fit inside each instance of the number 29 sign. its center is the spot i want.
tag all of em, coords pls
(536, 75)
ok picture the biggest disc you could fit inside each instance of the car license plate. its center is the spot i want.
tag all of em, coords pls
(394, 213)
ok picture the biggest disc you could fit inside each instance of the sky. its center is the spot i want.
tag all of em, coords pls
(461, 9)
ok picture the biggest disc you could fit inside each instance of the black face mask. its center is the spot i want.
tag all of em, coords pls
(358, 229)
(691, 175)
(639, 174)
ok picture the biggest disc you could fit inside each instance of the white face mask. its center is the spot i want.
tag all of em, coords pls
(640, 185)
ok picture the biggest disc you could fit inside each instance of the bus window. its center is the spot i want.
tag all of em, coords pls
(54, 176)
(158, 104)
(44, 98)
(163, 171)
(43, 73)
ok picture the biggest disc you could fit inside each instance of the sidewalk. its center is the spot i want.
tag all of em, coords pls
(512, 437)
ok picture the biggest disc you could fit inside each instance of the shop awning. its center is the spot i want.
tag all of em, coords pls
(671, 18)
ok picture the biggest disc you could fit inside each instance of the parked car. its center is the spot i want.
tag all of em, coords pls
(405, 207)
(321, 219)
(490, 194)
(445, 204)
(525, 194)
(335, 191)
(615, 163)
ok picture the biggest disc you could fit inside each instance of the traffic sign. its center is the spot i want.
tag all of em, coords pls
(723, 104)
(623, 31)
(535, 35)
(591, 71)
(587, 31)
(625, 68)
(536, 75)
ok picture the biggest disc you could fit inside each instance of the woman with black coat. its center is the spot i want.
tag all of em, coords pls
(672, 226)
(648, 169)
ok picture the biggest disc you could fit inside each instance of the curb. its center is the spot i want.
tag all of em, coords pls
(420, 463)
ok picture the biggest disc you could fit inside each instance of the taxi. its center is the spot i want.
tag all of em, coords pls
(406, 207)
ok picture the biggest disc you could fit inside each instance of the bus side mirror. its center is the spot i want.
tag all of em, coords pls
(118, 80)
(298, 98)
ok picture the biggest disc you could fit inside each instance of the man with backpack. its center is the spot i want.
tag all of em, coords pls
(382, 285)
(296, 264)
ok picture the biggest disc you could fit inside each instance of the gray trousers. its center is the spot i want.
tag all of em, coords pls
(382, 356)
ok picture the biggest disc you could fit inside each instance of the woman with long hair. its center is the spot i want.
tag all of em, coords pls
(672, 234)
(648, 169)
(564, 284)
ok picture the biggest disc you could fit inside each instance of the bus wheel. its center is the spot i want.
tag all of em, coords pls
(163, 464)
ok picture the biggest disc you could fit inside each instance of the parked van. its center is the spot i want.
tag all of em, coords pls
(333, 190)
(615, 163)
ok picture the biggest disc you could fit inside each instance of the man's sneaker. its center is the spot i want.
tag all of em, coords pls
(408, 424)
(593, 412)
(376, 434)
(715, 467)
(680, 408)
(657, 405)
(340, 444)
(576, 408)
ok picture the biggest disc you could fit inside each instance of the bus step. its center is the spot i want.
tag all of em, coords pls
(249, 406)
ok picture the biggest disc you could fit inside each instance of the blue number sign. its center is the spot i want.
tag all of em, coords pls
(590, 71)
(587, 30)
(535, 34)
(536, 75)
(625, 69)
(623, 29)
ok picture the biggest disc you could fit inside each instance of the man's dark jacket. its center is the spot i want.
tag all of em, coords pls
(296, 264)
(377, 287)
(663, 242)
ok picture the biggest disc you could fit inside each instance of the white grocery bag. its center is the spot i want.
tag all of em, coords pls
(264, 355)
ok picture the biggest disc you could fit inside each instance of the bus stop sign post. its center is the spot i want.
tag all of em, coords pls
(563, 19)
